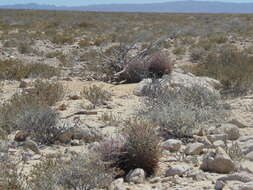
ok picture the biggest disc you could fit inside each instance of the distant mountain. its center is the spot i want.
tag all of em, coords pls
(174, 7)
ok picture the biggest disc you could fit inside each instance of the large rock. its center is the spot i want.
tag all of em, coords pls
(136, 176)
(172, 145)
(232, 131)
(194, 149)
(178, 79)
(218, 162)
(178, 169)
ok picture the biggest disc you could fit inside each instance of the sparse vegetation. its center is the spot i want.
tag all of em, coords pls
(14, 70)
(137, 147)
(96, 95)
(230, 66)
(180, 111)
(82, 172)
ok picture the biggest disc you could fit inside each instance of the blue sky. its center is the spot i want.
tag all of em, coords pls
(87, 2)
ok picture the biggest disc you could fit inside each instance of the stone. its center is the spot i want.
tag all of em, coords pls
(219, 143)
(172, 145)
(20, 136)
(246, 166)
(246, 144)
(216, 137)
(238, 122)
(74, 96)
(178, 169)
(136, 176)
(244, 177)
(23, 84)
(86, 134)
(218, 162)
(31, 145)
(232, 131)
(117, 184)
(194, 148)
(142, 87)
(249, 156)
(75, 142)
(65, 137)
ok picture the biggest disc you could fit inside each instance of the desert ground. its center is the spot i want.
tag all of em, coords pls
(125, 101)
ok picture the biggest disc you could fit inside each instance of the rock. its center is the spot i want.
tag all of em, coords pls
(218, 162)
(65, 137)
(75, 142)
(231, 130)
(23, 84)
(219, 143)
(178, 169)
(74, 96)
(246, 144)
(189, 80)
(86, 134)
(241, 176)
(217, 137)
(245, 186)
(249, 156)
(246, 166)
(31, 145)
(20, 136)
(178, 79)
(238, 122)
(142, 87)
(136, 176)
(194, 149)
(117, 184)
(172, 145)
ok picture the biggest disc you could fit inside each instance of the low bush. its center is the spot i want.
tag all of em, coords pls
(137, 147)
(81, 172)
(24, 48)
(14, 70)
(181, 111)
(118, 64)
(230, 66)
(48, 92)
(96, 95)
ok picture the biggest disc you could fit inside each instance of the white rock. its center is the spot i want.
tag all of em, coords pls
(194, 148)
(172, 145)
(136, 176)
(117, 184)
(178, 169)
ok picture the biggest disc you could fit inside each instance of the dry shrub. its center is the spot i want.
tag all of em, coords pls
(11, 177)
(159, 65)
(137, 147)
(96, 95)
(48, 92)
(142, 147)
(230, 66)
(129, 64)
(14, 70)
(82, 172)
(61, 39)
(24, 48)
(40, 122)
(182, 110)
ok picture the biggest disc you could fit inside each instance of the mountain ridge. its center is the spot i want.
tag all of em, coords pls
(173, 7)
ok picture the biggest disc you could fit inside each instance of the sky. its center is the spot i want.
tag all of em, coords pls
(88, 2)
